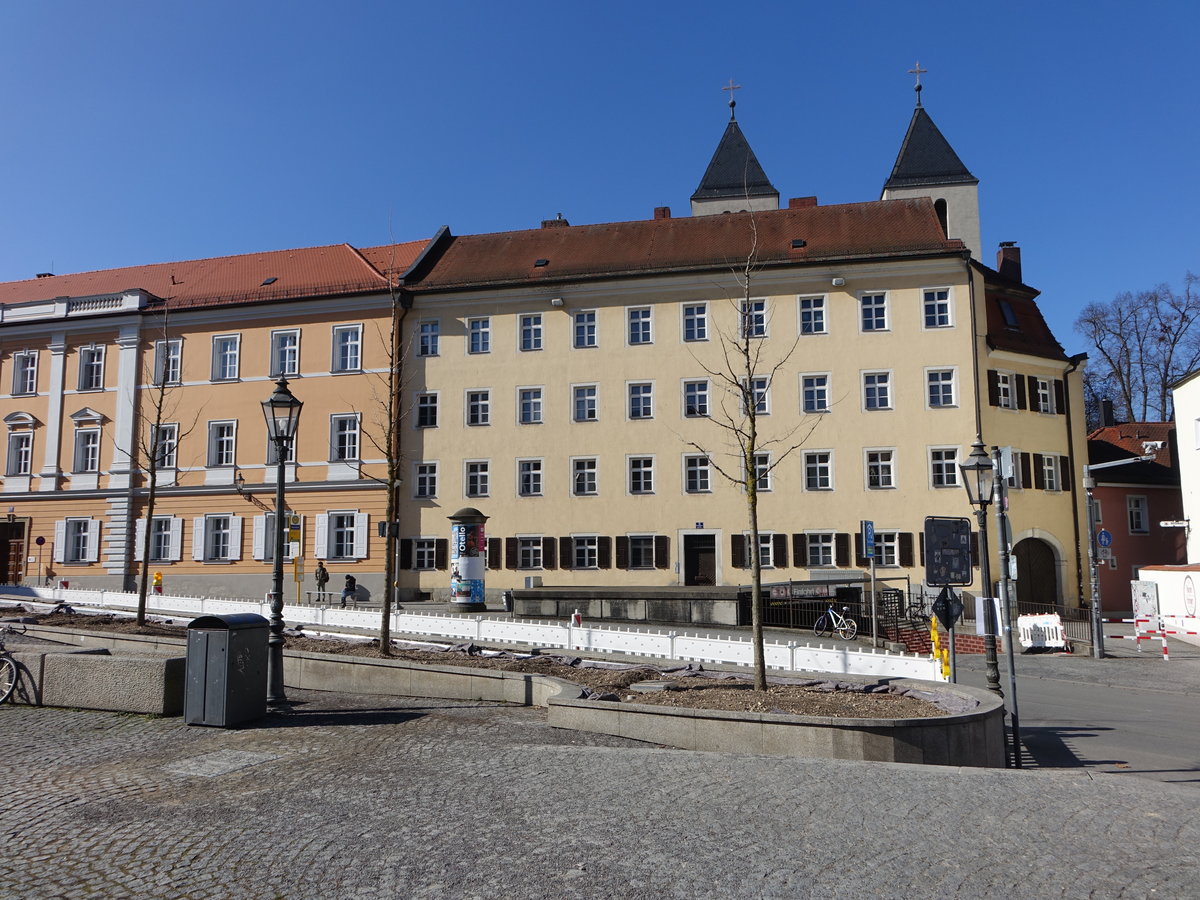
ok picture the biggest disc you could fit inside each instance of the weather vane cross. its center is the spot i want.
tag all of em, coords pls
(918, 71)
(731, 87)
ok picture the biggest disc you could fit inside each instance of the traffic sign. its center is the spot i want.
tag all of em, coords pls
(868, 538)
(948, 608)
(947, 551)
(1104, 538)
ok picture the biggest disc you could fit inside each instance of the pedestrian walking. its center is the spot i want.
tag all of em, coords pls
(322, 576)
(350, 590)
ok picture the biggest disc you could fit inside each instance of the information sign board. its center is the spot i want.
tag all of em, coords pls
(947, 551)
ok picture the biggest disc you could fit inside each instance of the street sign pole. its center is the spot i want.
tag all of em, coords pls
(868, 540)
(1004, 472)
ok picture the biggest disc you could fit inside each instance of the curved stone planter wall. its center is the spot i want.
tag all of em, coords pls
(975, 738)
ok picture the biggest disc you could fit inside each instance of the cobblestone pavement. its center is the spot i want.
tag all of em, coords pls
(365, 797)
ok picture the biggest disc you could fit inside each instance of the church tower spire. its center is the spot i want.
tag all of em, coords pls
(927, 166)
(734, 181)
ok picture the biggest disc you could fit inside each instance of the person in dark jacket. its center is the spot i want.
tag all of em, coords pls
(350, 590)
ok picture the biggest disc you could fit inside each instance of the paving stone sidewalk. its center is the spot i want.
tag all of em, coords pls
(365, 797)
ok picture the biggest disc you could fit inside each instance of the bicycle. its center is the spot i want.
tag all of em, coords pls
(10, 673)
(831, 621)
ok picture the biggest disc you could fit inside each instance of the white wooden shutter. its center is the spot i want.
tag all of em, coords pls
(60, 541)
(139, 540)
(175, 552)
(258, 549)
(321, 539)
(362, 522)
(93, 540)
(198, 538)
(235, 537)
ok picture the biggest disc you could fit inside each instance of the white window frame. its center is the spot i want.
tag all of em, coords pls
(429, 337)
(530, 401)
(879, 469)
(330, 534)
(86, 458)
(874, 314)
(225, 366)
(222, 545)
(641, 548)
(530, 477)
(529, 333)
(25, 366)
(938, 302)
(285, 356)
(585, 551)
(948, 466)
(887, 549)
(218, 452)
(763, 472)
(1043, 395)
(426, 407)
(1050, 473)
(165, 534)
(168, 361)
(585, 399)
(753, 318)
(696, 401)
(345, 435)
(697, 474)
(585, 474)
(879, 380)
(424, 554)
(694, 319)
(80, 542)
(640, 400)
(478, 407)
(760, 388)
(820, 549)
(168, 444)
(1137, 508)
(766, 547)
(639, 326)
(91, 368)
(640, 472)
(425, 479)
(1006, 390)
(529, 551)
(20, 453)
(823, 469)
(813, 309)
(939, 381)
(477, 477)
(820, 393)
(479, 335)
(346, 350)
(584, 333)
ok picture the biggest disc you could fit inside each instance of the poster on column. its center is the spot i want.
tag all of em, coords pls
(467, 562)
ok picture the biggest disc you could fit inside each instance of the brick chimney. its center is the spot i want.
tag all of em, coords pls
(1008, 260)
(802, 202)
(560, 222)
(1106, 413)
(662, 212)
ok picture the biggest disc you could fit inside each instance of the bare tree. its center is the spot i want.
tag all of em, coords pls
(1144, 342)
(742, 376)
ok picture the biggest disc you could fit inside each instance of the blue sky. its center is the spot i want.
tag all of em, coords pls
(138, 132)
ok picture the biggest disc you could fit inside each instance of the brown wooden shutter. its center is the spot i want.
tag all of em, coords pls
(604, 552)
(975, 549)
(921, 546)
(1064, 469)
(510, 553)
(841, 544)
(1060, 397)
(441, 553)
(1021, 398)
(406, 553)
(493, 554)
(1026, 471)
(549, 553)
(566, 553)
(859, 560)
(1039, 472)
(1035, 402)
(800, 550)
(737, 550)
(906, 549)
(622, 552)
(662, 551)
(779, 555)
(993, 380)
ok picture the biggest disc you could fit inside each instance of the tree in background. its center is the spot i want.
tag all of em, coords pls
(1144, 342)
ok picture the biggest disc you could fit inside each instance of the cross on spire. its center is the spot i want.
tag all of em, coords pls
(918, 71)
(731, 87)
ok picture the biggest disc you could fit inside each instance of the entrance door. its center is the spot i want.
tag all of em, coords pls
(12, 552)
(699, 559)
(1037, 580)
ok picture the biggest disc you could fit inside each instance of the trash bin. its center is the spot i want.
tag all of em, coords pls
(226, 670)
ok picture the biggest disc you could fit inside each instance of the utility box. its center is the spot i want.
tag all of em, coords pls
(226, 670)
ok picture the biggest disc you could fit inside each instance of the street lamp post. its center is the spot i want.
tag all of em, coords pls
(282, 412)
(979, 478)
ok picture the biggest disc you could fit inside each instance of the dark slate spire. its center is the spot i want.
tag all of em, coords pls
(734, 171)
(926, 157)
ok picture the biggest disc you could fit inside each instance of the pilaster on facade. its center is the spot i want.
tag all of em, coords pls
(51, 470)
(125, 422)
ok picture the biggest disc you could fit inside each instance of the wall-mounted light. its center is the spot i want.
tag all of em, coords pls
(556, 302)
(838, 282)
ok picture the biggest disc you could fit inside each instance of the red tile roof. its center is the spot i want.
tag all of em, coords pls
(306, 272)
(1113, 442)
(880, 229)
(1030, 334)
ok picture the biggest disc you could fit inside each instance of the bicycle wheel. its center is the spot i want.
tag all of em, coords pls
(8, 677)
(821, 629)
(848, 629)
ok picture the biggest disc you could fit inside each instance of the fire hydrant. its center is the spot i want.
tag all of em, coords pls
(158, 582)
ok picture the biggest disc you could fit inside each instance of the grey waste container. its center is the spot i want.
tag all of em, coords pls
(226, 670)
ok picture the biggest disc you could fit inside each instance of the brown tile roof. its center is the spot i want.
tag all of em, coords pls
(884, 228)
(393, 258)
(306, 272)
(1112, 442)
(1027, 332)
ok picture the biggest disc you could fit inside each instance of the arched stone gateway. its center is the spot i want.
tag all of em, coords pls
(1037, 571)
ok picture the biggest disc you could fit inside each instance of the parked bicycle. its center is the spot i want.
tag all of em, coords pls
(831, 621)
(10, 673)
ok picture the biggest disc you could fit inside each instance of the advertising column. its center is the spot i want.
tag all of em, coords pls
(468, 559)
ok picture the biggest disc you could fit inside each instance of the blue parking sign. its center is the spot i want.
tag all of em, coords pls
(868, 538)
